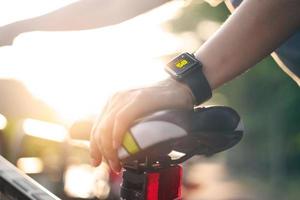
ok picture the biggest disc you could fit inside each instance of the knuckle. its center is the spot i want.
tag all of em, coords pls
(141, 96)
(121, 121)
(101, 138)
(106, 122)
(102, 130)
(140, 93)
(119, 117)
(104, 142)
(118, 94)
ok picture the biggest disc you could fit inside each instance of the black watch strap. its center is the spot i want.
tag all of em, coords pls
(186, 69)
(198, 84)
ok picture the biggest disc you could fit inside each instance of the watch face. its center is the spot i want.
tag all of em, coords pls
(181, 64)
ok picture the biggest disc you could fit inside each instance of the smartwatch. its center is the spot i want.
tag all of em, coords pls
(186, 69)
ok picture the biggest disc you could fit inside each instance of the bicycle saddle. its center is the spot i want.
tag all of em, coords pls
(203, 131)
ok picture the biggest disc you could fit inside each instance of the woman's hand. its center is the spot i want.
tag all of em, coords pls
(127, 106)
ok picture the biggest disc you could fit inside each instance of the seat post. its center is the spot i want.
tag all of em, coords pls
(152, 184)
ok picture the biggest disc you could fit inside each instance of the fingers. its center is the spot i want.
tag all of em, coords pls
(104, 141)
(117, 119)
(101, 140)
(123, 109)
(96, 156)
(123, 121)
(95, 152)
(136, 108)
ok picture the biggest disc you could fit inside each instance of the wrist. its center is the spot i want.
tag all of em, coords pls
(181, 93)
(187, 70)
(209, 70)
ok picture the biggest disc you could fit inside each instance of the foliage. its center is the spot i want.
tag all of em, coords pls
(267, 99)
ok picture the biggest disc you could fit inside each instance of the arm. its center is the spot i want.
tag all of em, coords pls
(82, 15)
(254, 30)
(250, 34)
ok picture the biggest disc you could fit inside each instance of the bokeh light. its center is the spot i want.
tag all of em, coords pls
(91, 184)
(76, 72)
(45, 130)
(30, 165)
(3, 122)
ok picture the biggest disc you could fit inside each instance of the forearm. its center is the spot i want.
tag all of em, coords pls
(251, 33)
(88, 14)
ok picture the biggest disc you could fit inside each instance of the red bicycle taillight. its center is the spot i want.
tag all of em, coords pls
(152, 186)
(164, 184)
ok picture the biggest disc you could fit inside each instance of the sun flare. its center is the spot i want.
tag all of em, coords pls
(76, 72)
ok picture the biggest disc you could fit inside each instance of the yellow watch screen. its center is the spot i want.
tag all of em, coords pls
(181, 63)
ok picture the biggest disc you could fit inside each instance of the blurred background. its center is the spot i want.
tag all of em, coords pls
(53, 84)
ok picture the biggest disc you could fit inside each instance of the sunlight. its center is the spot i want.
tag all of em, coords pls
(82, 188)
(76, 72)
(13, 10)
(30, 165)
(93, 181)
(3, 122)
(45, 130)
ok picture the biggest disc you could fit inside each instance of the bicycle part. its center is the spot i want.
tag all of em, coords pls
(150, 173)
(14, 184)
(162, 183)
(204, 131)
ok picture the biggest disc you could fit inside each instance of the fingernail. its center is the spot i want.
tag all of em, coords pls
(94, 162)
(113, 167)
(117, 172)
